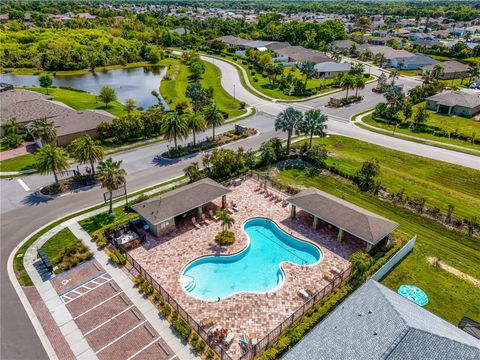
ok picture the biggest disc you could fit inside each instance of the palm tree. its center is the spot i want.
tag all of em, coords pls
(174, 126)
(51, 160)
(395, 97)
(225, 218)
(308, 68)
(348, 82)
(287, 120)
(44, 130)
(111, 176)
(11, 126)
(437, 70)
(213, 117)
(359, 83)
(313, 123)
(86, 150)
(196, 123)
(129, 105)
(394, 75)
(474, 72)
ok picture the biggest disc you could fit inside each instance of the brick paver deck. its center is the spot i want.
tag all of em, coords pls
(244, 313)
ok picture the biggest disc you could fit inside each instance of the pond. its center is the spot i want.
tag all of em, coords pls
(134, 83)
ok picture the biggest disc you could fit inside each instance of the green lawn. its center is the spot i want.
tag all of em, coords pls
(409, 72)
(451, 124)
(439, 182)
(450, 297)
(53, 246)
(174, 86)
(225, 102)
(105, 219)
(22, 162)
(80, 100)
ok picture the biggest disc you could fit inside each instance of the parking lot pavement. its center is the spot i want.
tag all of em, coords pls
(111, 324)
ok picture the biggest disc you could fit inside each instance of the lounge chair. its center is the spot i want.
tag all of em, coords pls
(194, 221)
(212, 215)
(229, 338)
(204, 218)
(207, 323)
(304, 294)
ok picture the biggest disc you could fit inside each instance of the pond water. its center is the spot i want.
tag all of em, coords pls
(135, 83)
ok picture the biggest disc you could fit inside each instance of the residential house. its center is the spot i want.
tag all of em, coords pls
(426, 42)
(415, 62)
(377, 323)
(388, 52)
(418, 36)
(342, 46)
(450, 70)
(86, 16)
(331, 69)
(26, 106)
(463, 103)
(4, 17)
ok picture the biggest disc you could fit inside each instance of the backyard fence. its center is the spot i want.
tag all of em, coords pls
(399, 255)
(263, 343)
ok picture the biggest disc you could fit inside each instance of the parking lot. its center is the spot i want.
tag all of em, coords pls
(113, 327)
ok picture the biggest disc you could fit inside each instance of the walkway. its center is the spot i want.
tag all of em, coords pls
(27, 147)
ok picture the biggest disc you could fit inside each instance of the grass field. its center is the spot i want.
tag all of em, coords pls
(451, 124)
(19, 163)
(175, 84)
(409, 72)
(439, 182)
(450, 297)
(80, 100)
(104, 219)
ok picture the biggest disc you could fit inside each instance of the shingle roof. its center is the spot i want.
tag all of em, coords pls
(180, 201)
(376, 323)
(233, 40)
(451, 66)
(387, 51)
(342, 44)
(457, 98)
(300, 54)
(332, 66)
(419, 59)
(26, 106)
(355, 220)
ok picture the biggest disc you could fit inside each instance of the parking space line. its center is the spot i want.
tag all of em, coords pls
(121, 336)
(96, 306)
(85, 282)
(84, 293)
(106, 322)
(144, 348)
(23, 185)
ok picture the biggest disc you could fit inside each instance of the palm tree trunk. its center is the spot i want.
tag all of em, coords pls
(213, 128)
(311, 138)
(194, 141)
(93, 167)
(305, 85)
(288, 141)
(55, 176)
(346, 95)
(356, 92)
(110, 210)
(175, 141)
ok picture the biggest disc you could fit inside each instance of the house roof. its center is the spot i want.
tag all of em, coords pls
(451, 66)
(180, 201)
(300, 54)
(357, 221)
(457, 98)
(418, 59)
(233, 40)
(330, 66)
(342, 44)
(376, 323)
(387, 51)
(26, 106)
(277, 45)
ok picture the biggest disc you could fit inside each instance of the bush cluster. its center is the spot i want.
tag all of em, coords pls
(225, 238)
(117, 257)
(73, 255)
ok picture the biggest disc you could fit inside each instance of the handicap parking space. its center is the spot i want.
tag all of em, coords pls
(111, 324)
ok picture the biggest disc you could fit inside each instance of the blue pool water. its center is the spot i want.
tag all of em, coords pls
(256, 269)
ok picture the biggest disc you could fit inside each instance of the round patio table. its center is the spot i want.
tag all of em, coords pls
(413, 293)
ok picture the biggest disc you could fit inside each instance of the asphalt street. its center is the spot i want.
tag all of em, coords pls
(22, 212)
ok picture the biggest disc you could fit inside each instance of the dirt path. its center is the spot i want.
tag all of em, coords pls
(433, 260)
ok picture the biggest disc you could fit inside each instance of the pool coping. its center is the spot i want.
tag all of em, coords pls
(280, 265)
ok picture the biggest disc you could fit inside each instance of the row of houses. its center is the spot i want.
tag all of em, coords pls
(288, 55)
(26, 106)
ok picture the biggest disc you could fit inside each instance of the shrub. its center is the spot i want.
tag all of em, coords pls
(138, 280)
(210, 354)
(166, 310)
(182, 327)
(225, 238)
(255, 79)
(158, 297)
(253, 73)
(175, 315)
(243, 104)
(117, 257)
(198, 345)
(12, 141)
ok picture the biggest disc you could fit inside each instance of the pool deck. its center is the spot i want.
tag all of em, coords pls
(165, 258)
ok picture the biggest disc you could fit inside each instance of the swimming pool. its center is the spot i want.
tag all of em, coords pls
(255, 269)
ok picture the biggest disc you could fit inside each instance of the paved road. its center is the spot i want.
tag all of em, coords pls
(22, 212)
